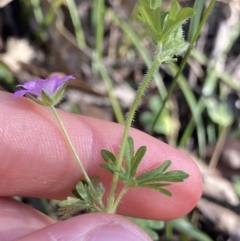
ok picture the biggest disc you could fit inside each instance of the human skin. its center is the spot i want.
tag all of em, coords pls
(35, 161)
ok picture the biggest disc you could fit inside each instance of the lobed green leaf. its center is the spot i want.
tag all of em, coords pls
(71, 201)
(86, 199)
(173, 22)
(171, 176)
(158, 174)
(82, 190)
(154, 173)
(149, 14)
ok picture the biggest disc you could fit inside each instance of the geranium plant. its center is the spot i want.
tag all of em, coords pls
(167, 34)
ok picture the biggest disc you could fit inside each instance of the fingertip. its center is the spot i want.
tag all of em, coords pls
(91, 227)
(18, 219)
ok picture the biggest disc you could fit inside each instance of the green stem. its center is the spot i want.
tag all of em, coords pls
(109, 86)
(71, 145)
(76, 23)
(85, 175)
(140, 93)
(119, 198)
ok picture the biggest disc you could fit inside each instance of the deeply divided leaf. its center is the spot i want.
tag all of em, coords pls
(85, 198)
(150, 15)
(159, 174)
(154, 173)
(163, 25)
(173, 23)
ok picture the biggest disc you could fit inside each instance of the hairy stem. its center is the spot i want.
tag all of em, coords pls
(157, 61)
(75, 153)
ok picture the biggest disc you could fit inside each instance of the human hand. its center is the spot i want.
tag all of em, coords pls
(36, 162)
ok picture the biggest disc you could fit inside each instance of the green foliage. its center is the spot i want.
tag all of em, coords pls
(183, 225)
(195, 20)
(164, 124)
(151, 17)
(156, 179)
(6, 75)
(84, 198)
(149, 226)
(219, 112)
(166, 28)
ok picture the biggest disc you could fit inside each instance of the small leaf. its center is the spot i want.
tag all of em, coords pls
(173, 11)
(147, 176)
(184, 14)
(107, 168)
(70, 201)
(165, 192)
(219, 112)
(150, 15)
(80, 188)
(158, 187)
(136, 161)
(172, 176)
(123, 176)
(76, 194)
(71, 206)
(95, 181)
(155, 4)
(108, 157)
(165, 123)
(86, 198)
(129, 153)
(172, 24)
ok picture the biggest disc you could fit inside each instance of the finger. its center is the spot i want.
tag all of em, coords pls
(95, 226)
(17, 219)
(21, 221)
(36, 160)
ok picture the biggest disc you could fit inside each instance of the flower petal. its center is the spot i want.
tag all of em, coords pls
(19, 93)
(28, 85)
(49, 86)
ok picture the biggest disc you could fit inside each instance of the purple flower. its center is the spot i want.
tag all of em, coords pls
(49, 86)
(48, 91)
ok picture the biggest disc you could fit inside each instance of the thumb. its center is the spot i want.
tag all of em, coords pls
(91, 227)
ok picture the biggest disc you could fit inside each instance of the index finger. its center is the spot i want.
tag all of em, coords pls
(36, 161)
